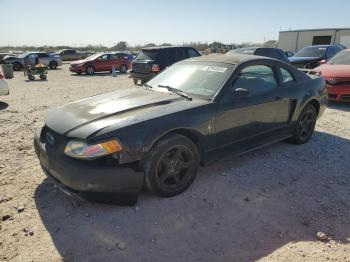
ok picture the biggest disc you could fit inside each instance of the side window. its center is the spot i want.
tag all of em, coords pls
(103, 58)
(286, 76)
(115, 57)
(192, 53)
(169, 56)
(180, 54)
(41, 55)
(330, 52)
(256, 79)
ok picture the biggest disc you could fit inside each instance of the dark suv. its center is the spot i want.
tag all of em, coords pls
(310, 57)
(150, 61)
(275, 53)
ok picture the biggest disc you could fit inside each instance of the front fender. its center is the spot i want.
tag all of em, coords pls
(138, 139)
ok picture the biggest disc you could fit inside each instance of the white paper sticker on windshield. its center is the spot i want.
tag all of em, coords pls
(218, 69)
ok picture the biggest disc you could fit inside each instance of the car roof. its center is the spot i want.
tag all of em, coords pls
(320, 45)
(228, 58)
(164, 47)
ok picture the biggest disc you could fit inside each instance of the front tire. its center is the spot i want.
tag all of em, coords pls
(171, 166)
(305, 125)
(17, 66)
(90, 70)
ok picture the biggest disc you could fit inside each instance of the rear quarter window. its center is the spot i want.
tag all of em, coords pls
(287, 77)
(192, 53)
(148, 55)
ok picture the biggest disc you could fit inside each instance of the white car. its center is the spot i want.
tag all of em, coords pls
(4, 87)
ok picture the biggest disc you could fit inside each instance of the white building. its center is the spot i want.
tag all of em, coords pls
(297, 39)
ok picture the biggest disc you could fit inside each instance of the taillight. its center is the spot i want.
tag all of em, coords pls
(155, 68)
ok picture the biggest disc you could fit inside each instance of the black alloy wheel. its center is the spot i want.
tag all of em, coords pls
(305, 125)
(172, 166)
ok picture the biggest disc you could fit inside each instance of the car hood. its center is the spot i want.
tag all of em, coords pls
(294, 59)
(328, 70)
(78, 62)
(120, 109)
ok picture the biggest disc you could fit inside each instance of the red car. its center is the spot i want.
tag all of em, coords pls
(337, 75)
(101, 63)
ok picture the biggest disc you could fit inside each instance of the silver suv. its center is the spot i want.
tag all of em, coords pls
(33, 58)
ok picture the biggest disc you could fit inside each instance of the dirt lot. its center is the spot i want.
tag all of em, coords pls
(267, 205)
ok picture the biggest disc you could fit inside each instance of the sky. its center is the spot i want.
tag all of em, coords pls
(106, 22)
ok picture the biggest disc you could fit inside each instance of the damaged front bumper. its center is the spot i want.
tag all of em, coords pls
(79, 177)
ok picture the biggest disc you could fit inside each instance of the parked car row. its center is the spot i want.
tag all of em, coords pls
(151, 61)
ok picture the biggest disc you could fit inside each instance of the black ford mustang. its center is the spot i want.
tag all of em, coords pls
(195, 112)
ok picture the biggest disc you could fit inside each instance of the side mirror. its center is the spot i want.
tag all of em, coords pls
(241, 92)
(323, 61)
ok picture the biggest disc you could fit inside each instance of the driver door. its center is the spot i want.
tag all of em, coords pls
(252, 105)
(102, 63)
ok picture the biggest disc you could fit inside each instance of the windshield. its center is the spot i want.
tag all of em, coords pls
(148, 54)
(23, 55)
(311, 51)
(342, 58)
(93, 57)
(193, 78)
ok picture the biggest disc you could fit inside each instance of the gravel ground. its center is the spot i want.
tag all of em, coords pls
(267, 205)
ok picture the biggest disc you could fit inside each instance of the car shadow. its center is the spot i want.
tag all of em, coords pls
(339, 106)
(3, 105)
(100, 74)
(241, 209)
(36, 80)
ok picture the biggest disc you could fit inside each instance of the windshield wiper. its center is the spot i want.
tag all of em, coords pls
(176, 91)
(148, 86)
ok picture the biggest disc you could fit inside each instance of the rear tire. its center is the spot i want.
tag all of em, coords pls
(53, 65)
(171, 166)
(31, 78)
(90, 70)
(305, 126)
(135, 81)
(43, 77)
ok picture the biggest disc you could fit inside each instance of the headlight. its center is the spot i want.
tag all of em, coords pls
(81, 150)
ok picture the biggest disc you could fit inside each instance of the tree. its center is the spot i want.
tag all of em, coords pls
(271, 43)
(150, 45)
(121, 46)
